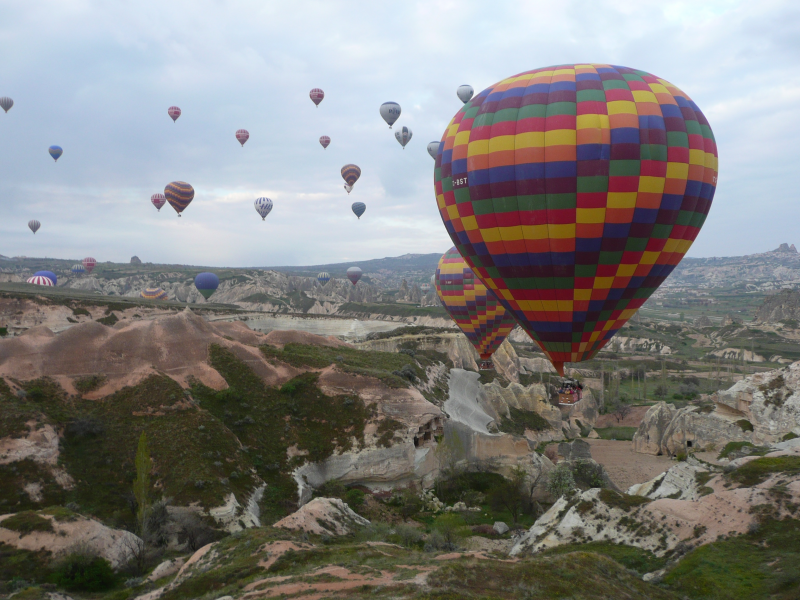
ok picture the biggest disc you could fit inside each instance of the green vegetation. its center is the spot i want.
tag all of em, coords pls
(18, 565)
(89, 383)
(3, 331)
(622, 501)
(745, 424)
(763, 564)
(386, 366)
(26, 522)
(268, 421)
(756, 471)
(789, 436)
(386, 430)
(523, 419)
(735, 448)
(635, 559)
(702, 478)
(616, 433)
(80, 572)
(262, 298)
(110, 320)
(408, 330)
(394, 310)
(141, 485)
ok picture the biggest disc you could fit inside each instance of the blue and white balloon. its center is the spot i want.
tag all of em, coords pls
(263, 207)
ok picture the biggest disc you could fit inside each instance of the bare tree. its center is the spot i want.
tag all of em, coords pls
(621, 411)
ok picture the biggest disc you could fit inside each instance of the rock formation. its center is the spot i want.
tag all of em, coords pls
(702, 321)
(324, 516)
(135, 260)
(784, 305)
(786, 248)
(760, 409)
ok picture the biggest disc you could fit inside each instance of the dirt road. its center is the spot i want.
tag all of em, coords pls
(626, 467)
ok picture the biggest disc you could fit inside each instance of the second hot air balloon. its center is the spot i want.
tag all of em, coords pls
(358, 208)
(34, 225)
(316, 96)
(573, 192)
(324, 141)
(474, 308)
(263, 207)
(354, 274)
(323, 277)
(403, 135)
(179, 194)
(55, 152)
(390, 111)
(350, 174)
(206, 284)
(174, 112)
(158, 200)
(242, 135)
(89, 264)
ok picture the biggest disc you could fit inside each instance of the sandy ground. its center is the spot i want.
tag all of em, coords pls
(626, 467)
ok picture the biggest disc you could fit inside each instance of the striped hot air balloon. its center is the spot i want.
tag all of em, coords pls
(174, 112)
(242, 135)
(350, 174)
(474, 308)
(55, 152)
(34, 225)
(89, 264)
(323, 277)
(403, 136)
(6, 103)
(158, 200)
(354, 274)
(263, 207)
(78, 269)
(325, 141)
(153, 294)
(206, 284)
(40, 280)
(179, 194)
(359, 208)
(573, 192)
(316, 96)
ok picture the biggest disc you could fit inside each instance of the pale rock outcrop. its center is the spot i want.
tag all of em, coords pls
(506, 362)
(648, 436)
(232, 516)
(736, 354)
(115, 545)
(679, 482)
(39, 445)
(631, 344)
(166, 568)
(324, 516)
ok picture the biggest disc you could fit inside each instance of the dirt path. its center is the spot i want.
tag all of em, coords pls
(624, 466)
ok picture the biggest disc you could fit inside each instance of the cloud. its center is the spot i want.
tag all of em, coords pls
(97, 78)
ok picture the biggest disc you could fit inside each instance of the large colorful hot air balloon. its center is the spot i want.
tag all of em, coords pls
(6, 103)
(324, 277)
(89, 263)
(179, 194)
(316, 96)
(403, 135)
(573, 192)
(153, 294)
(34, 225)
(263, 207)
(354, 274)
(206, 284)
(39, 280)
(359, 208)
(390, 111)
(474, 308)
(55, 152)
(174, 112)
(433, 149)
(350, 174)
(49, 274)
(158, 200)
(242, 135)
(78, 269)
(464, 93)
(325, 141)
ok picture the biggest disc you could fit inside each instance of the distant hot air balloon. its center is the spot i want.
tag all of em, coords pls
(174, 112)
(464, 93)
(425, 288)
(316, 95)
(89, 263)
(206, 284)
(433, 149)
(325, 141)
(6, 103)
(348, 188)
(158, 200)
(242, 135)
(350, 174)
(403, 135)
(354, 274)
(263, 207)
(34, 225)
(153, 294)
(390, 111)
(474, 308)
(39, 280)
(179, 194)
(78, 269)
(49, 274)
(55, 152)
(323, 277)
(359, 208)
(573, 192)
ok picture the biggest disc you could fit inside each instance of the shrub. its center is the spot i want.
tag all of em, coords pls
(745, 424)
(408, 536)
(560, 481)
(83, 572)
(89, 383)
(84, 428)
(26, 522)
(3, 331)
(789, 436)
(354, 498)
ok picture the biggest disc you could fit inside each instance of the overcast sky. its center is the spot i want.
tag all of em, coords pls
(97, 78)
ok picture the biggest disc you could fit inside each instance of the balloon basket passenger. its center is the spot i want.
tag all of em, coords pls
(570, 392)
(486, 364)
